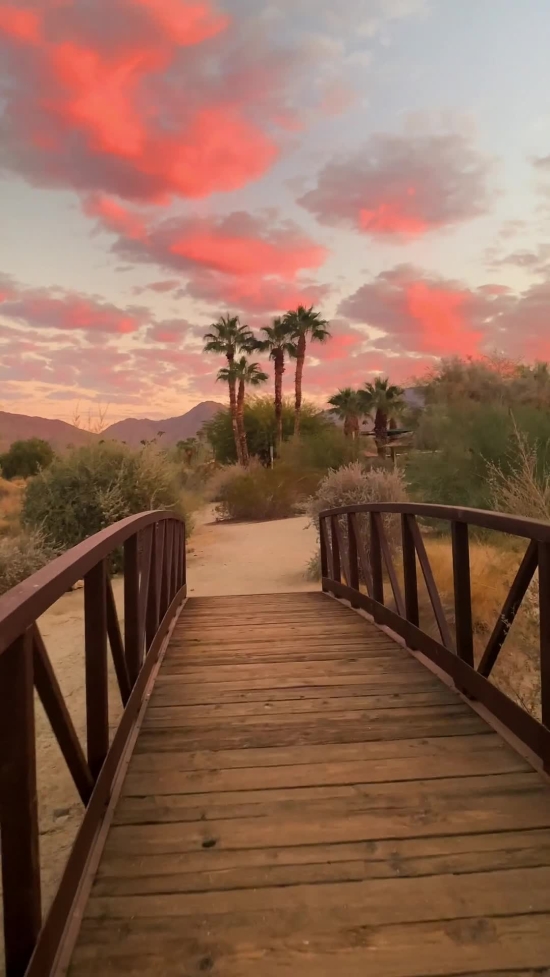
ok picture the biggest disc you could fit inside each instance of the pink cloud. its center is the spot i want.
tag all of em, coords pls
(53, 308)
(403, 187)
(422, 314)
(145, 99)
(253, 263)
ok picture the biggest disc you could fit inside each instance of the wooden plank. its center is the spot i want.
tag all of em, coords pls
(211, 870)
(342, 728)
(176, 693)
(223, 759)
(466, 764)
(430, 797)
(385, 858)
(176, 718)
(187, 715)
(482, 946)
(381, 901)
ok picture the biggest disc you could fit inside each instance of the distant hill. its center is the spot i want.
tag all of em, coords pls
(19, 427)
(135, 430)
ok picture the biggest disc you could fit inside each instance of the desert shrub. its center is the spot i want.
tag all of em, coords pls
(11, 494)
(26, 458)
(94, 486)
(22, 555)
(259, 422)
(354, 485)
(319, 450)
(463, 442)
(259, 493)
(523, 488)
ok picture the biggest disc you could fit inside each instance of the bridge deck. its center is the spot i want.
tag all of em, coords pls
(306, 798)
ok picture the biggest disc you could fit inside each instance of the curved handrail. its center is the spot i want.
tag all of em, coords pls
(24, 603)
(481, 518)
(154, 591)
(357, 549)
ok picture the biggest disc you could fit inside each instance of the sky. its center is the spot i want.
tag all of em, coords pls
(163, 162)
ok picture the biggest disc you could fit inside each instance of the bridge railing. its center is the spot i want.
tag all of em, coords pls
(153, 546)
(357, 561)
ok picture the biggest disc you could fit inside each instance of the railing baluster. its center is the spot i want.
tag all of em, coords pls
(166, 588)
(353, 559)
(150, 595)
(19, 806)
(336, 565)
(376, 560)
(462, 592)
(160, 532)
(145, 573)
(52, 700)
(386, 553)
(410, 577)
(117, 646)
(95, 635)
(363, 561)
(431, 585)
(544, 614)
(511, 606)
(132, 624)
(183, 581)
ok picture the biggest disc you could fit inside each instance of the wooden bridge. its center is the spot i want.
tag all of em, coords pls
(300, 784)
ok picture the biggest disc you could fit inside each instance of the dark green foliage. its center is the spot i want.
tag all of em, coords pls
(95, 486)
(259, 422)
(320, 450)
(26, 458)
(457, 444)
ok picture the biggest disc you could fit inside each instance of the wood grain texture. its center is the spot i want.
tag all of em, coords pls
(305, 797)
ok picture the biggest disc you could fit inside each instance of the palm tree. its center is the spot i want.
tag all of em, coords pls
(278, 343)
(347, 406)
(304, 324)
(229, 337)
(384, 400)
(244, 374)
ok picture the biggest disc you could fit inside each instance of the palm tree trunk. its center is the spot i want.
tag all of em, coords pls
(381, 432)
(279, 369)
(234, 419)
(240, 425)
(300, 359)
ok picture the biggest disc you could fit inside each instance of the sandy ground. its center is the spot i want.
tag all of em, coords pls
(224, 558)
(249, 558)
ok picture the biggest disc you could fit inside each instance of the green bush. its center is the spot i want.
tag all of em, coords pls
(320, 450)
(22, 555)
(95, 486)
(25, 458)
(459, 444)
(259, 493)
(259, 422)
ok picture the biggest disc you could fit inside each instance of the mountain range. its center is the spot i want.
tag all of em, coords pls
(15, 427)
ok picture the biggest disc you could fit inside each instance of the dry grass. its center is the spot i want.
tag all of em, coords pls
(11, 496)
(492, 571)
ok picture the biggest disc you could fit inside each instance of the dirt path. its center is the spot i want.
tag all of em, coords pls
(249, 558)
(224, 558)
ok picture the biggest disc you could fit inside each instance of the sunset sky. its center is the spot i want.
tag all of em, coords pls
(166, 161)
